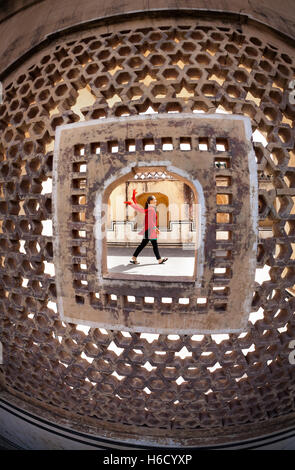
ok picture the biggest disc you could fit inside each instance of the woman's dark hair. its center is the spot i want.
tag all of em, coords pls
(149, 199)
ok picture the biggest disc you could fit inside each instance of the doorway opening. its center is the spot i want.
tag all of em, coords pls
(178, 216)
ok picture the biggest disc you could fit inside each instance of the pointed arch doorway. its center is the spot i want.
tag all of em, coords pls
(178, 222)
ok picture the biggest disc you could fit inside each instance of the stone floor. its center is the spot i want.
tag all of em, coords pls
(180, 261)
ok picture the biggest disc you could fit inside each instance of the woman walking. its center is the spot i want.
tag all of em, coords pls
(150, 230)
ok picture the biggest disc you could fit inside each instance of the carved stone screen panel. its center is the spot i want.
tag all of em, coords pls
(214, 156)
(159, 389)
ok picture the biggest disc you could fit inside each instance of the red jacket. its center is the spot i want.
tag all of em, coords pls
(150, 220)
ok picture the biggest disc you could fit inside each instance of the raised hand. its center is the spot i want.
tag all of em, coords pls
(133, 196)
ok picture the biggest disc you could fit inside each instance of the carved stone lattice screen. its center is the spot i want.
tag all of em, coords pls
(131, 383)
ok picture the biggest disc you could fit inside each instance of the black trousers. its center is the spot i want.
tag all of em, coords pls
(144, 243)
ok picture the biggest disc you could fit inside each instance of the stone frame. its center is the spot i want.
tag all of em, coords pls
(228, 313)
